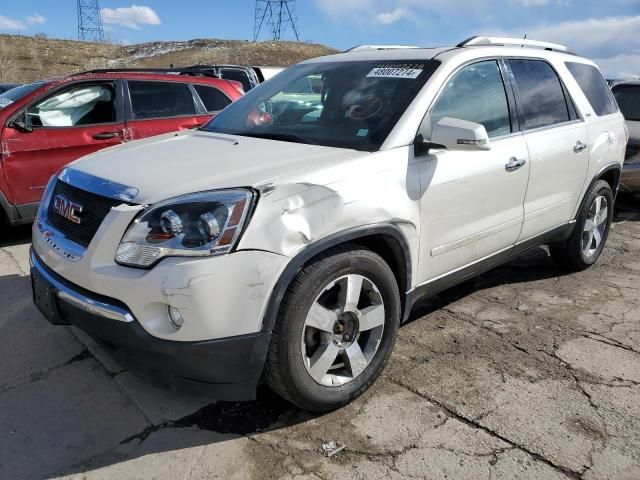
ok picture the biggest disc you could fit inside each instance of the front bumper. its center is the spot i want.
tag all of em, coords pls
(225, 369)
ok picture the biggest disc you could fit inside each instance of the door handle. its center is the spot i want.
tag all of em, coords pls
(105, 135)
(580, 146)
(514, 164)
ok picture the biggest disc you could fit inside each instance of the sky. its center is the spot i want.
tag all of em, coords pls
(607, 31)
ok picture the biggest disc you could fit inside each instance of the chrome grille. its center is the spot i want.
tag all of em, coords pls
(94, 209)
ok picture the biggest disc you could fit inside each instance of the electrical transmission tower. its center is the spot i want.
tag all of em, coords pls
(277, 16)
(90, 21)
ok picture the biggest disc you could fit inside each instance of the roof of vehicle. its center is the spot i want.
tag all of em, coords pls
(473, 47)
(133, 75)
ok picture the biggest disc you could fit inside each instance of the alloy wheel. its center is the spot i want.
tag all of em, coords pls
(343, 330)
(595, 226)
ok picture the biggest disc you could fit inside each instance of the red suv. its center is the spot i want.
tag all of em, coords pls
(45, 125)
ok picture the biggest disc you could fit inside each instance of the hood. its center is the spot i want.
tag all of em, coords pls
(187, 162)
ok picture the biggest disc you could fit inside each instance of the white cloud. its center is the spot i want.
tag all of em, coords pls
(622, 66)
(592, 37)
(36, 19)
(387, 18)
(130, 17)
(542, 3)
(534, 3)
(7, 23)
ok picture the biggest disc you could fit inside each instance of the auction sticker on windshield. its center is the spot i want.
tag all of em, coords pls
(5, 102)
(396, 71)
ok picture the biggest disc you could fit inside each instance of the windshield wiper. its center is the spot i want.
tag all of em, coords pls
(285, 137)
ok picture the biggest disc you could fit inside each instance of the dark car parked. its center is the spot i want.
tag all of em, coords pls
(628, 97)
(7, 86)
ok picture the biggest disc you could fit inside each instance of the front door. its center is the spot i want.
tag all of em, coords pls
(64, 126)
(472, 205)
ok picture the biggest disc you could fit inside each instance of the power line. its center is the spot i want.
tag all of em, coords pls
(90, 21)
(277, 16)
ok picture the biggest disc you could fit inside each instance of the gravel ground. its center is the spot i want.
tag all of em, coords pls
(522, 373)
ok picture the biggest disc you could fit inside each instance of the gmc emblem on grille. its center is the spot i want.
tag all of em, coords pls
(67, 209)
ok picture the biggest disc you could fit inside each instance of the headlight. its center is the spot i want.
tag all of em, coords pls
(195, 225)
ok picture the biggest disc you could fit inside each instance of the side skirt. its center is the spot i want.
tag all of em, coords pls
(433, 287)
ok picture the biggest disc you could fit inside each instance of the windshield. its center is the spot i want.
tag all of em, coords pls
(10, 96)
(628, 97)
(340, 104)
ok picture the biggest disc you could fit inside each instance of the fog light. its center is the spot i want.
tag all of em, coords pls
(175, 317)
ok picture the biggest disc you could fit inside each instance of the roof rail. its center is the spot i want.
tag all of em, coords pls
(362, 48)
(514, 42)
(201, 70)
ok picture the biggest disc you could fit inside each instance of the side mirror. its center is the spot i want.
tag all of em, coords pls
(456, 134)
(20, 124)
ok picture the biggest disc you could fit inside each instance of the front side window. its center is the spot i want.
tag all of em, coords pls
(628, 97)
(476, 94)
(594, 86)
(352, 104)
(160, 99)
(540, 93)
(80, 105)
(212, 98)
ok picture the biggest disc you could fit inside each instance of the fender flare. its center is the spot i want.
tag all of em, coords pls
(598, 176)
(353, 234)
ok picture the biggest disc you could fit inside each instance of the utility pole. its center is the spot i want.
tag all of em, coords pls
(90, 21)
(277, 16)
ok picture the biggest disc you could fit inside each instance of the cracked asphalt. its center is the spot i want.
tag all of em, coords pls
(525, 372)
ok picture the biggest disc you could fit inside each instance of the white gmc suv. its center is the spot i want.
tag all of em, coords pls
(288, 238)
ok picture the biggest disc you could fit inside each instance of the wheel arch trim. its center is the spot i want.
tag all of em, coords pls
(612, 167)
(387, 230)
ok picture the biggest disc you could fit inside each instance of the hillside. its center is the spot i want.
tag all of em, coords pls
(24, 59)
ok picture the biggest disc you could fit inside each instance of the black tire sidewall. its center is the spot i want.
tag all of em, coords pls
(307, 390)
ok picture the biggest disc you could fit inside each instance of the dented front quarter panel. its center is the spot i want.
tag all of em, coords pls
(299, 210)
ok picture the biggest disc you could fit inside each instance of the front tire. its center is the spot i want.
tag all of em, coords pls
(335, 330)
(584, 246)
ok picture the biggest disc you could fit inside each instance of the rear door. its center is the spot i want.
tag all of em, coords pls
(65, 125)
(558, 146)
(157, 107)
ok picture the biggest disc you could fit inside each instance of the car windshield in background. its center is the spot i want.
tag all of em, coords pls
(10, 96)
(628, 97)
(351, 105)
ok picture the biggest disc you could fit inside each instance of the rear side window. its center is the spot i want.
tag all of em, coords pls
(541, 94)
(476, 94)
(628, 97)
(214, 100)
(594, 87)
(160, 99)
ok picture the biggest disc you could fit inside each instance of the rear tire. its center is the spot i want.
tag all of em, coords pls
(335, 330)
(584, 246)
